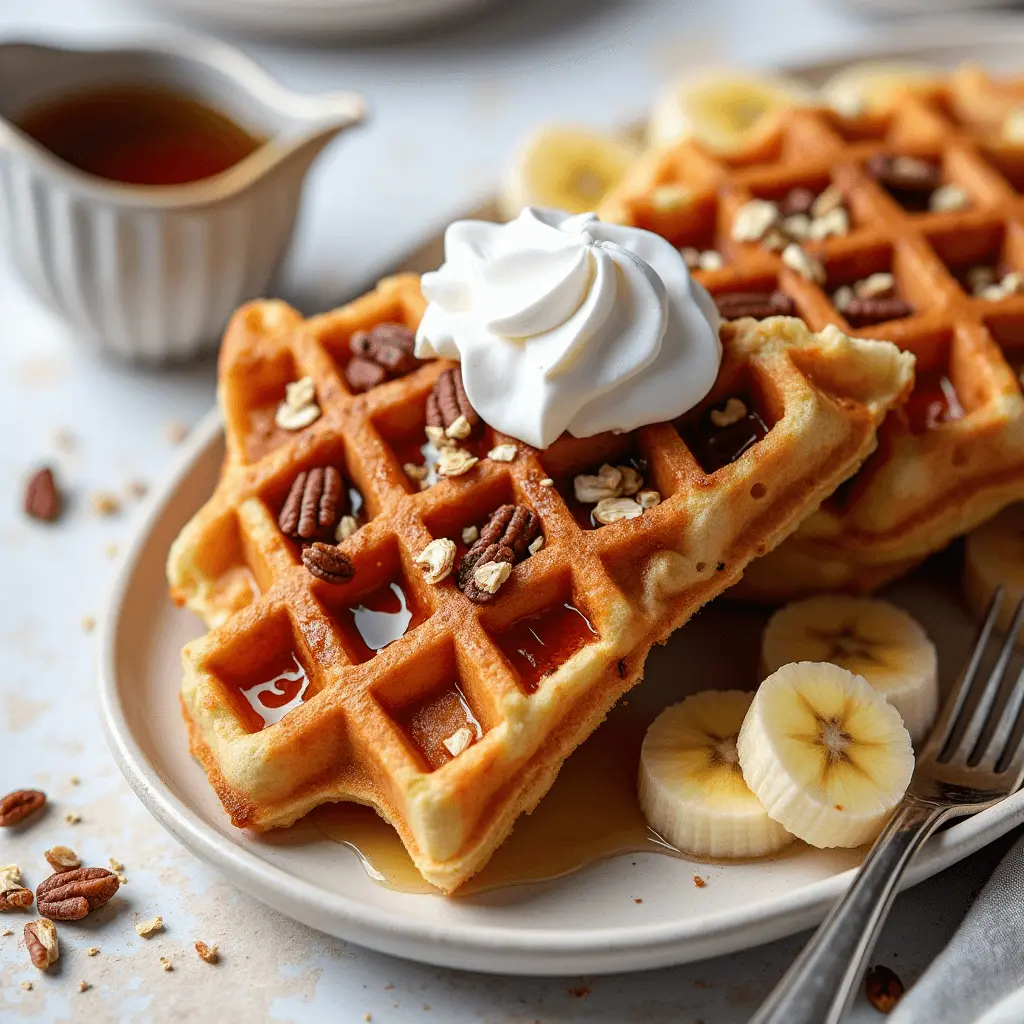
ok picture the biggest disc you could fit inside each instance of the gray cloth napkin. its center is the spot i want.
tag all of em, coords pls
(979, 977)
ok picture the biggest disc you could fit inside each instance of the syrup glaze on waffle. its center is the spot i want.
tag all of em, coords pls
(955, 454)
(527, 676)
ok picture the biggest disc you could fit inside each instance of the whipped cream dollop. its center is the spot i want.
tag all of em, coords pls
(565, 323)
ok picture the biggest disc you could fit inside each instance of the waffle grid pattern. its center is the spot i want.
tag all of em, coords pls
(636, 581)
(923, 487)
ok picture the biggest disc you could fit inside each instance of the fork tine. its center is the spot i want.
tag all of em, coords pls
(979, 717)
(995, 751)
(950, 713)
(1014, 766)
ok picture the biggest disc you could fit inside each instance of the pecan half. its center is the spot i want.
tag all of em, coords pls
(17, 806)
(314, 506)
(447, 403)
(43, 500)
(70, 895)
(384, 352)
(797, 200)
(910, 180)
(41, 943)
(863, 312)
(883, 988)
(733, 305)
(327, 563)
(506, 538)
(15, 899)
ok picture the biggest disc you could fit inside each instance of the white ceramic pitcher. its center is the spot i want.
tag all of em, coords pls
(153, 273)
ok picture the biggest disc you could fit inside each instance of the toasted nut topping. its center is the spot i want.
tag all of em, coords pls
(458, 741)
(948, 198)
(502, 453)
(300, 393)
(875, 286)
(10, 876)
(546, 482)
(799, 259)
(1012, 283)
(648, 499)
(470, 535)
(105, 504)
(149, 928)
(710, 259)
(415, 472)
(835, 222)
(753, 220)
(166, 964)
(288, 418)
(842, 297)
(41, 943)
(734, 411)
(490, 576)
(347, 525)
(611, 510)
(437, 559)
(459, 430)
(17, 806)
(436, 436)
(62, 858)
(207, 953)
(327, 563)
(827, 201)
(632, 481)
(798, 227)
(455, 462)
(591, 489)
(670, 197)
(536, 544)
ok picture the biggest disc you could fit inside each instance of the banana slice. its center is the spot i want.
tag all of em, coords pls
(567, 169)
(873, 639)
(691, 787)
(724, 111)
(825, 753)
(870, 86)
(995, 558)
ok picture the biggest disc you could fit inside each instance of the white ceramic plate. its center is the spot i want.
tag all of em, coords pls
(585, 923)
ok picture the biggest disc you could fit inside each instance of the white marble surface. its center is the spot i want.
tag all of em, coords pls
(446, 109)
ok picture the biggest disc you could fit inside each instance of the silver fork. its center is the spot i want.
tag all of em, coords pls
(967, 764)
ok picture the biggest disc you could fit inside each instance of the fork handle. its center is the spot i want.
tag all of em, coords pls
(819, 985)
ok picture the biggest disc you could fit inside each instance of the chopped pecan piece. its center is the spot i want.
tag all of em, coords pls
(910, 180)
(883, 988)
(43, 500)
(506, 538)
(15, 899)
(70, 895)
(314, 506)
(796, 201)
(733, 305)
(17, 806)
(41, 943)
(447, 404)
(327, 563)
(380, 354)
(863, 312)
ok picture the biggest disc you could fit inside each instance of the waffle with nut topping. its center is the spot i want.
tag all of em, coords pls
(411, 611)
(905, 224)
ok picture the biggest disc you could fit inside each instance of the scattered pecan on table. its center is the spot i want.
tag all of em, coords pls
(380, 354)
(43, 499)
(327, 563)
(883, 988)
(41, 943)
(314, 506)
(70, 895)
(17, 806)
(506, 538)
(16, 899)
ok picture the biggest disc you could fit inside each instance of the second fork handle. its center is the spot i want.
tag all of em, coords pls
(818, 986)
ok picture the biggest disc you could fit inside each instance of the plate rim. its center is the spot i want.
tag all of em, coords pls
(490, 947)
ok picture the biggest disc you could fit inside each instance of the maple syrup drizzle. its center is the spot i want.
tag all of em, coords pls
(715, 447)
(429, 722)
(591, 813)
(274, 698)
(383, 617)
(538, 645)
(140, 136)
(932, 402)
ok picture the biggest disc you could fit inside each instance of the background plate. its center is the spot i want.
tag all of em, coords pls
(587, 922)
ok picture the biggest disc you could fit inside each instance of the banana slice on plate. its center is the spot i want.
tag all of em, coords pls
(724, 111)
(691, 787)
(994, 557)
(825, 753)
(865, 87)
(871, 638)
(566, 168)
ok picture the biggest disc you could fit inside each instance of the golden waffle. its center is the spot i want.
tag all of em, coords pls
(370, 727)
(923, 486)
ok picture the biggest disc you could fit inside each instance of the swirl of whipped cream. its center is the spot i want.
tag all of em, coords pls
(565, 323)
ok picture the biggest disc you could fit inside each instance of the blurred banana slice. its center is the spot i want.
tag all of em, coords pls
(861, 88)
(994, 557)
(825, 753)
(691, 787)
(724, 111)
(566, 168)
(871, 638)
